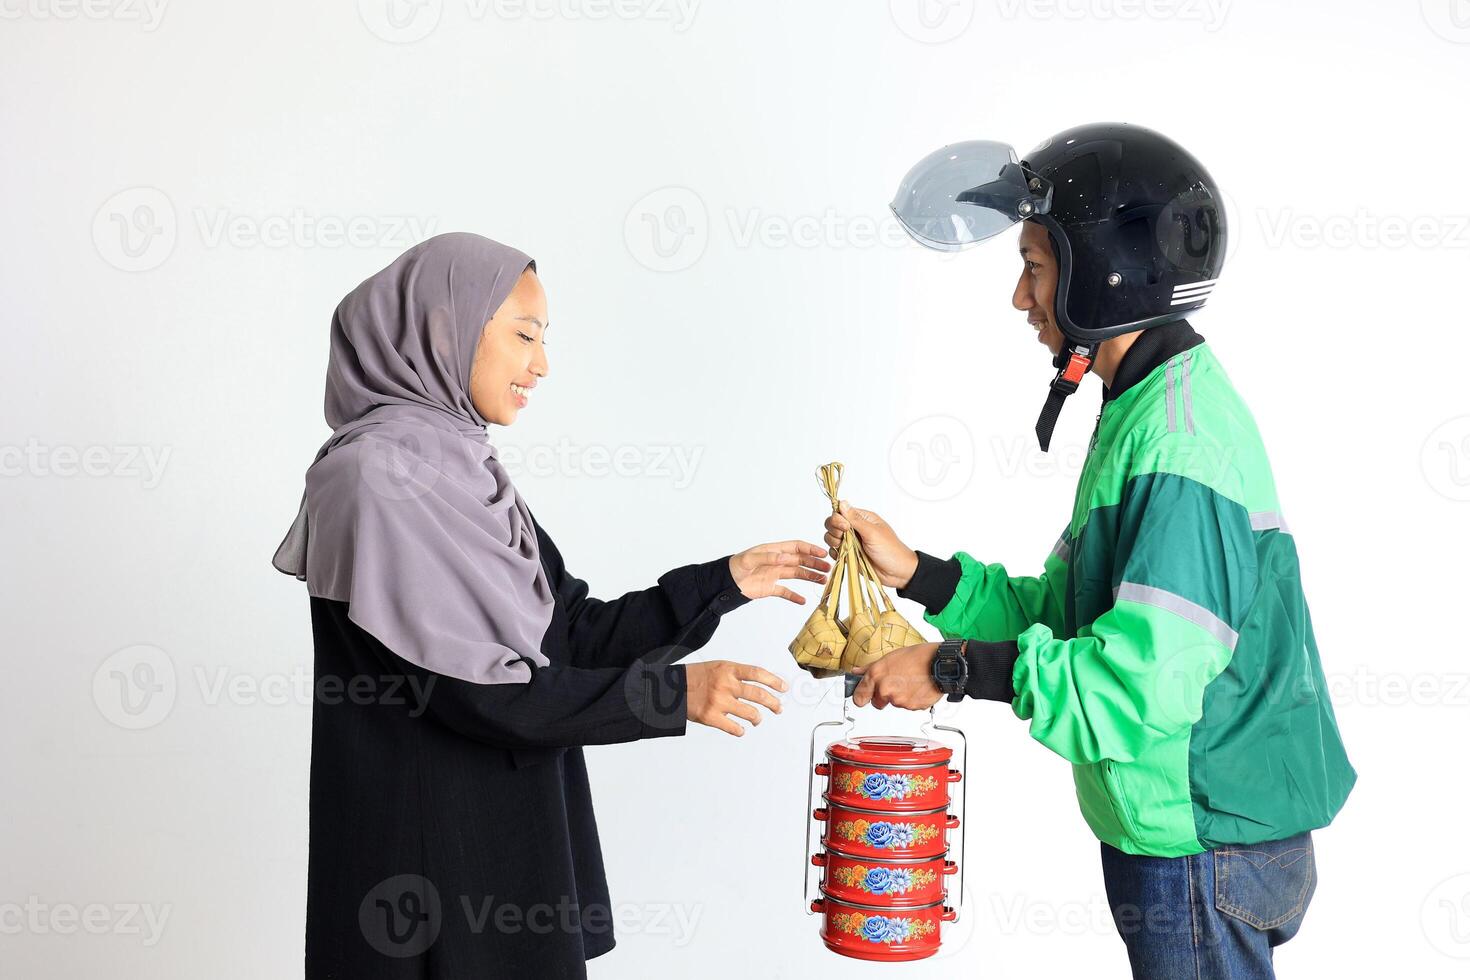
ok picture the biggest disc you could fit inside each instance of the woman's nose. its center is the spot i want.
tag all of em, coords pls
(539, 364)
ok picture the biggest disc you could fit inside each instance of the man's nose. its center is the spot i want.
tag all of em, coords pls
(1022, 299)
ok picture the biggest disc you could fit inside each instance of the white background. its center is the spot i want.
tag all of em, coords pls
(705, 190)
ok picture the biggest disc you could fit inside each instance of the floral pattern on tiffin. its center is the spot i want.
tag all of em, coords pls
(885, 833)
(881, 928)
(884, 881)
(882, 785)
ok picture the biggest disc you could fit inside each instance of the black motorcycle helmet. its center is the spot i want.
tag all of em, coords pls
(1136, 222)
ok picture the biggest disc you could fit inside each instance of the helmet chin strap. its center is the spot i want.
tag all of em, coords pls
(1071, 364)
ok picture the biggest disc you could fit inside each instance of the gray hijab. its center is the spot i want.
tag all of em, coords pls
(408, 517)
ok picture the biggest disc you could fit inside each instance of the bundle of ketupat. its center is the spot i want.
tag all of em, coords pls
(828, 645)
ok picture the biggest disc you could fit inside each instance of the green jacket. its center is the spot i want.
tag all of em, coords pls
(1166, 650)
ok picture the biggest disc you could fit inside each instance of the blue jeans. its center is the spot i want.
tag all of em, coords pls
(1210, 916)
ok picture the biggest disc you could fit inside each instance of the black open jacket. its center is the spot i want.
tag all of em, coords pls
(451, 832)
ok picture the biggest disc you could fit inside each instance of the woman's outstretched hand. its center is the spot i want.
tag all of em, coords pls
(720, 688)
(758, 571)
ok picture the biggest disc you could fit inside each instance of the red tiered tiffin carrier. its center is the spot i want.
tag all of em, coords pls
(885, 847)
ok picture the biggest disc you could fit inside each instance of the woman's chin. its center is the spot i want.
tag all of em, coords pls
(501, 418)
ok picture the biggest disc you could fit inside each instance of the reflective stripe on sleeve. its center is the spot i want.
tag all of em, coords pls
(1266, 520)
(1180, 606)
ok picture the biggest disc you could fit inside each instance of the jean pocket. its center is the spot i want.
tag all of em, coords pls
(1265, 885)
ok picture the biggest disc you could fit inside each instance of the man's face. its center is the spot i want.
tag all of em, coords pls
(1036, 291)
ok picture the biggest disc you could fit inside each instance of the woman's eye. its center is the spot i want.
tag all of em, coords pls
(523, 336)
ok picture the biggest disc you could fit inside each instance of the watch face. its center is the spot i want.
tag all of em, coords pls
(947, 668)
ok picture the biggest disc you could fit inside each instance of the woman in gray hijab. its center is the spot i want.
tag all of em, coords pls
(459, 666)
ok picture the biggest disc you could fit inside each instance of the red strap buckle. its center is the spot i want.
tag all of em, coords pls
(1077, 366)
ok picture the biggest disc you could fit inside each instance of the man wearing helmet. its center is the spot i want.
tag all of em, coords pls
(1166, 649)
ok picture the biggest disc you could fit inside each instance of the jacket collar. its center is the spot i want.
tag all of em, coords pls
(1155, 346)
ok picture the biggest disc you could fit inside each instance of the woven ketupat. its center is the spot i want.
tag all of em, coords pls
(828, 645)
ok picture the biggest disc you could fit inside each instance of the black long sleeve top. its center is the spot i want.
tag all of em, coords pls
(452, 832)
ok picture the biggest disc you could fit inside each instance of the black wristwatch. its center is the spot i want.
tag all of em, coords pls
(951, 671)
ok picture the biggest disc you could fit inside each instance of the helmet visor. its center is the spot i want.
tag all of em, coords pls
(967, 192)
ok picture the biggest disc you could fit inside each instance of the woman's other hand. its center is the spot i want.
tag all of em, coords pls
(720, 688)
(759, 571)
(893, 560)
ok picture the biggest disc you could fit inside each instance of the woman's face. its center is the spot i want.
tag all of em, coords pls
(511, 356)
